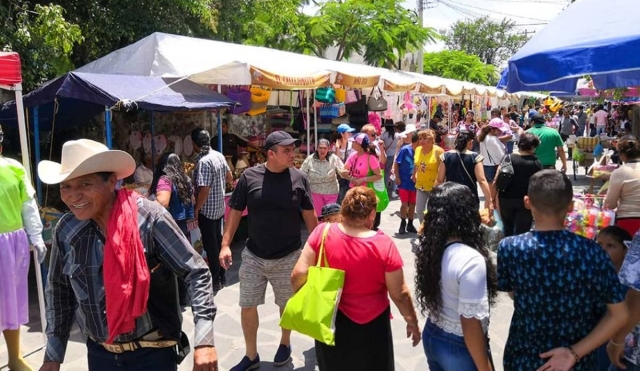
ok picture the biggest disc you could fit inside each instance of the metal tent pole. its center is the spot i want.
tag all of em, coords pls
(107, 126)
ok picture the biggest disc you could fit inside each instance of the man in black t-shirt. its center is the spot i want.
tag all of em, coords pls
(274, 194)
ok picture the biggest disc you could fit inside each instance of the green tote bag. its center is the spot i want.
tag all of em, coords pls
(312, 310)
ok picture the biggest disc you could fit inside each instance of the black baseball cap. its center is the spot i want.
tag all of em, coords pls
(280, 138)
(330, 209)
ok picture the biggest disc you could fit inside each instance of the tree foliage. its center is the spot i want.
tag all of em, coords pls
(379, 30)
(494, 42)
(43, 38)
(382, 31)
(54, 36)
(458, 65)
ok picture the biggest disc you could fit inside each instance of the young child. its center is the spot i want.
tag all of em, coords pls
(331, 213)
(560, 283)
(612, 240)
(625, 349)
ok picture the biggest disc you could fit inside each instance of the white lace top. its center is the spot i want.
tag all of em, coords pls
(464, 289)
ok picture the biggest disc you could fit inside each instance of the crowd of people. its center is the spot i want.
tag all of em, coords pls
(122, 265)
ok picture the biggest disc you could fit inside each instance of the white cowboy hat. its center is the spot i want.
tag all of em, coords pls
(83, 156)
(409, 129)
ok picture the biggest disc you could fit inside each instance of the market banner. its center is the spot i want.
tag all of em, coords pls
(389, 86)
(275, 81)
(357, 82)
(424, 89)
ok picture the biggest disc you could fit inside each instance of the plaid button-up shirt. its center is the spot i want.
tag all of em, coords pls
(76, 286)
(210, 171)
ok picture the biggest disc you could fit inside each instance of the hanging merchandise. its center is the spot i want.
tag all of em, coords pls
(341, 95)
(176, 144)
(242, 95)
(332, 110)
(288, 98)
(326, 95)
(377, 103)
(589, 215)
(374, 119)
(351, 97)
(259, 100)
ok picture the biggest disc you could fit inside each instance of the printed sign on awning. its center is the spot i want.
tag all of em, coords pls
(276, 81)
(390, 86)
(357, 82)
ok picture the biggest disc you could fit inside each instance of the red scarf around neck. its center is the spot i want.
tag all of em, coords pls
(126, 275)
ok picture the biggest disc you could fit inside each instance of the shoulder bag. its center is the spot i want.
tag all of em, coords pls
(505, 175)
(377, 104)
(312, 310)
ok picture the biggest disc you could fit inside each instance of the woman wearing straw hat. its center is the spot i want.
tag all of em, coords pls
(112, 240)
(18, 212)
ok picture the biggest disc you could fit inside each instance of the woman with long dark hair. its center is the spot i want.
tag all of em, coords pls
(456, 282)
(625, 186)
(463, 166)
(173, 189)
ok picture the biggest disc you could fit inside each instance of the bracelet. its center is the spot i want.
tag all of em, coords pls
(573, 352)
(615, 344)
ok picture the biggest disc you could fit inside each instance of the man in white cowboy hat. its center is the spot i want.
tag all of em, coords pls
(114, 261)
(19, 219)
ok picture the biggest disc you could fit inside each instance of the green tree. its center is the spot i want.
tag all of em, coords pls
(43, 38)
(382, 31)
(494, 42)
(458, 65)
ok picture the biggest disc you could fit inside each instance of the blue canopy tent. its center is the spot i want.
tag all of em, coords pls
(590, 37)
(76, 97)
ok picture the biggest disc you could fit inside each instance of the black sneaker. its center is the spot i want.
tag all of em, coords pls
(246, 364)
(283, 356)
(411, 228)
(403, 227)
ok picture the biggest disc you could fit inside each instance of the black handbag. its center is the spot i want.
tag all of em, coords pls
(505, 175)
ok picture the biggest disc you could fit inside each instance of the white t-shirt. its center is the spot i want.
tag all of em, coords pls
(492, 150)
(464, 289)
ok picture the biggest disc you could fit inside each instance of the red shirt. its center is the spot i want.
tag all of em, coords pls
(365, 262)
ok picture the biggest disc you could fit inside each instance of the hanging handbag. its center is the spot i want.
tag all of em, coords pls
(312, 310)
(341, 95)
(351, 97)
(379, 188)
(326, 95)
(505, 175)
(242, 96)
(377, 103)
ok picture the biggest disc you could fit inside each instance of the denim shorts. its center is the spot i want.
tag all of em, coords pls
(445, 351)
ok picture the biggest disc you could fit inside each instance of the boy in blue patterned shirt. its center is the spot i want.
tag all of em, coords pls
(559, 282)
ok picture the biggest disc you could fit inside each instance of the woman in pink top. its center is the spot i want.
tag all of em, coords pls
(373, 272)
(362, 166)
(602, 117)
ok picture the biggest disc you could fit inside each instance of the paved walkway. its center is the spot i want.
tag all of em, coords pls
(229, 340)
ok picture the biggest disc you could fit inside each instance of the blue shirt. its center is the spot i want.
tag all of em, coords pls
(561, 282)
(405, 165)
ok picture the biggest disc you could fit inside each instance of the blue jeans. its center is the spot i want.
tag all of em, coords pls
(509, 147)
(630, 367)
(445, 351)
(157, 359)
(490, 172)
